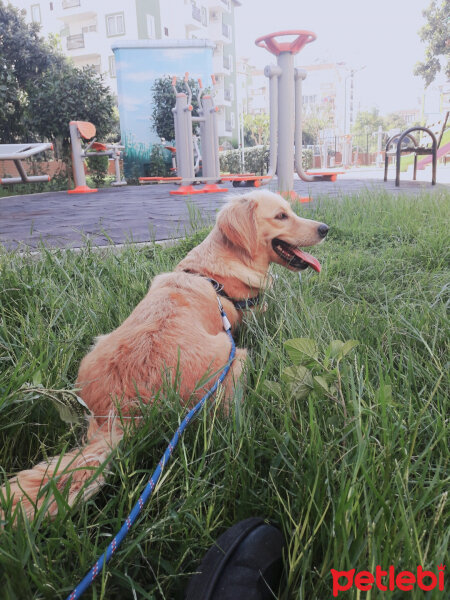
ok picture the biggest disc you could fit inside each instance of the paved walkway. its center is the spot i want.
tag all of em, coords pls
(146, 213)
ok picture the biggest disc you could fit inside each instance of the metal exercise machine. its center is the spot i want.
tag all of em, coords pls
(188, 165)
(17, 153)
(86, 130)
(285, 91)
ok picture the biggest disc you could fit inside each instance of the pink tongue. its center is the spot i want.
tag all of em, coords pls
(308, 258)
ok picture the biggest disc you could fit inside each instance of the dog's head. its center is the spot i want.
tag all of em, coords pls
(262, 225)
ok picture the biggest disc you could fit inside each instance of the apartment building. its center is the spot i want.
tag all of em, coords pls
(253, 88)
(333, 86)
(88, 28)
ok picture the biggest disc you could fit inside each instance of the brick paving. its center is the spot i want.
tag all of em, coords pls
(146, 213)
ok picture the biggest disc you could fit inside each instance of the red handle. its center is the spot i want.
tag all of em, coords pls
(269, 43)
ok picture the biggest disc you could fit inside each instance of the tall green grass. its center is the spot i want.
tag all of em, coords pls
(349, 489)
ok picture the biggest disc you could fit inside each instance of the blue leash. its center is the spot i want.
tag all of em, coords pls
(104, 558)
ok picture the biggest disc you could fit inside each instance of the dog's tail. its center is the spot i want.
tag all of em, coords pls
(77, 469)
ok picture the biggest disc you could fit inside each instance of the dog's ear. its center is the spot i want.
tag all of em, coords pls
(237, 223)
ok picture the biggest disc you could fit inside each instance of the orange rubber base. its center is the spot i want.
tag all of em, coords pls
(186, 190)
(82, 189)
(326, 175)
(292, 196)
(210, 188)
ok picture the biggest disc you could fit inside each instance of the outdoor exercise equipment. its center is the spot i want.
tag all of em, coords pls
(188, 153)
(87, 131)
(285, 92)
(17, 153)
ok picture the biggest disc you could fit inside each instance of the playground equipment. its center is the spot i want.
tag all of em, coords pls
(86, 130)
(188, 164)
(285, 90)
(17, 153)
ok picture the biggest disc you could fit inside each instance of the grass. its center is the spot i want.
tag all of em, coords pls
(351, 488)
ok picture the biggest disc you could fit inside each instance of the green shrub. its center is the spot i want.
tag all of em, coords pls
(307, 159)
(256, 160)
(159, 162)
(98, 168)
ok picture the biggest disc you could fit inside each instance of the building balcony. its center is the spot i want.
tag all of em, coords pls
(82, 44)
(195, 17)
(73, 11)
(220, 32)
(88, 60)
(223, 97)
(66, 4)
(224, 5)
(75, 42)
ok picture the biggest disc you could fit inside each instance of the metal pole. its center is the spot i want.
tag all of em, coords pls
(285, 122)
(300, 75)
(273, 72)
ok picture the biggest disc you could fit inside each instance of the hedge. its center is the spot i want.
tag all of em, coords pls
(256, 160)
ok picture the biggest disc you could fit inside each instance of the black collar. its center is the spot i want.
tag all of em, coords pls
(238, 304)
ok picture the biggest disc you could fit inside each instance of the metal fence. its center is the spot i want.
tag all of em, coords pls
(348, 149)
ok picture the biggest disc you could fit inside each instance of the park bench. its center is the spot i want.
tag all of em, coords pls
(407, 143)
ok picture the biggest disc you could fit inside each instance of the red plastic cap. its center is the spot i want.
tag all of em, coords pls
(269, 43)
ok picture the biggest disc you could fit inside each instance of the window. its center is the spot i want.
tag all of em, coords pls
(112, 66)
(166, 31)
(204, 17)
(232, 120)
(89, 28)
(151, 27)
(35, 13)
(51, 5)
(115, 24)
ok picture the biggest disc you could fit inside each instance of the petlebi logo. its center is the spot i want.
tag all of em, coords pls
(388, 580)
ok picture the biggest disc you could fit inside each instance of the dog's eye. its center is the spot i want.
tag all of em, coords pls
(281, 216)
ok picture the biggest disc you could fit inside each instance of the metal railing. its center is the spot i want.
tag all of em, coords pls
(197, 14)
(364, 149)
(74, 42)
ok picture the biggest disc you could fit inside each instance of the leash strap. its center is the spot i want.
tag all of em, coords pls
(104, 558)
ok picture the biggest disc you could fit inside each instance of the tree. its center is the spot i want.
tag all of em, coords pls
(435, 34)
(66, 94)
(41, 90)
(256, 129)
(394, 121)
(367, 121)
(24, 57)
(163, 101)
(315, 119)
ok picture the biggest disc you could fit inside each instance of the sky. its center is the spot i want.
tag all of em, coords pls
(379, 35)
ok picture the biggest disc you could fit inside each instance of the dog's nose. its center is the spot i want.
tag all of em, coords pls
(323, 230)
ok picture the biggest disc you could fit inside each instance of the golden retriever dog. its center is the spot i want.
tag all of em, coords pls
(177, 327)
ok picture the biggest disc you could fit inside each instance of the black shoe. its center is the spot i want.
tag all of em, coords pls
(245, 563)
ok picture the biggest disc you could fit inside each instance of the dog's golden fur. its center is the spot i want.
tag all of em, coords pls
(177, 326)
